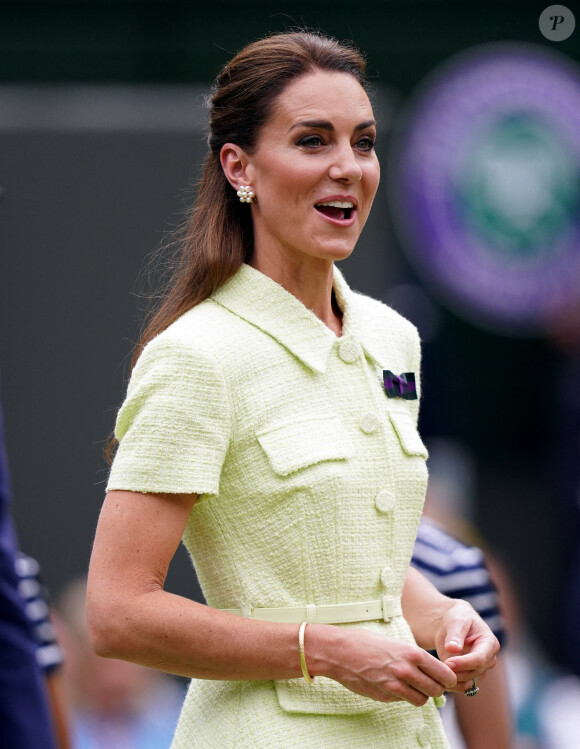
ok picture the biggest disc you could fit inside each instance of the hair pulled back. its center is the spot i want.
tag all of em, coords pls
(217, 236)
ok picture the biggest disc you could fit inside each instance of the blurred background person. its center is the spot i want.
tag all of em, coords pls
(563, 469)
(542, 699)
(113, 704)
(26, 719)
(460, 571)
(49, 654)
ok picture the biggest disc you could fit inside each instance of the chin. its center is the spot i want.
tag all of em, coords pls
(331, 250)
(337, 253)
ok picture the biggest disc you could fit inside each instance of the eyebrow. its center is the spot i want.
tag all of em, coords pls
(326, 125)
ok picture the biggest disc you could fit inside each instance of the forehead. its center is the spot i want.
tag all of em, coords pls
(322, 95)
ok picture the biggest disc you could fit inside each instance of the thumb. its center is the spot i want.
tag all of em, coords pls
(455, 636)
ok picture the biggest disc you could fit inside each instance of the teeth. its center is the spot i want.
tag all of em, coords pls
(338, 204)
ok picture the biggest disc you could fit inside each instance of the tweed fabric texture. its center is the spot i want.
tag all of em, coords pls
(311, 485)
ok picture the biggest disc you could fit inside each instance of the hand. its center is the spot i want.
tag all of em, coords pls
(383, 668)
(465, 644)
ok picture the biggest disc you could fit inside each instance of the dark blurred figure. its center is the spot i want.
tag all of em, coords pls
(563, 451)
(25, 715)
(49, 654)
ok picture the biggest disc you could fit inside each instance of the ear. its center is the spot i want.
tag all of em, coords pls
(234, 163)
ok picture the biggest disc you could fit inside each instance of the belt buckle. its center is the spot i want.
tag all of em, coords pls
(389, 607)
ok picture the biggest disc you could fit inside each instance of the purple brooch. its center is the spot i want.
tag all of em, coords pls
(400, 386)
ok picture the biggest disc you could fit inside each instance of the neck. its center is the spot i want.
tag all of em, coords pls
(310, 282)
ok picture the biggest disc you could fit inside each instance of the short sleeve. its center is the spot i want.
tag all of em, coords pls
(173, 428)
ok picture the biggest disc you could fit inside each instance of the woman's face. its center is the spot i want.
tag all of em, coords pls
(314, 171)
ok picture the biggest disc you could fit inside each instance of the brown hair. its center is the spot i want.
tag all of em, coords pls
(217, 236)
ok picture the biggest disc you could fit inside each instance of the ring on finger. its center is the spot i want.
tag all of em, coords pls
(472, 691)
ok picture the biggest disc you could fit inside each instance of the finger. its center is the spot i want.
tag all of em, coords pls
(440, 673)
(420, 674)
(428, 686)
(474, 661)
(456, 634)
(416, 697)
(465, 679)
(421, 680)
(404, 691)
(467, 682)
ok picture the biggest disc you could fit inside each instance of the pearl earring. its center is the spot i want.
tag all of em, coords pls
(246, 195)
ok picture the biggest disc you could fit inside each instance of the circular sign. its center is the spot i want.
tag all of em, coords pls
(484, 184)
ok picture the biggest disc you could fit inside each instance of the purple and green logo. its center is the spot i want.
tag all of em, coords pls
(484, 184)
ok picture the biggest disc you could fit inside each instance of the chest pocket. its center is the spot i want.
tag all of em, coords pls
(293, 445)
(407, 433)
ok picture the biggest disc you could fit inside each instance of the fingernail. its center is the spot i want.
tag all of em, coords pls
(451, 664)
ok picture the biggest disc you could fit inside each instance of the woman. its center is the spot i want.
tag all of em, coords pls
(256, 426)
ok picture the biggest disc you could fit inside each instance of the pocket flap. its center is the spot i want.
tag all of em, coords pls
(303, 442)
(407, 433)
(324, 697)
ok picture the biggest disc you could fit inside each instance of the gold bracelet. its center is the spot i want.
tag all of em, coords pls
(305, 674)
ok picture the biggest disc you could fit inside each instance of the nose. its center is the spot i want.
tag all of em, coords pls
(345, 166)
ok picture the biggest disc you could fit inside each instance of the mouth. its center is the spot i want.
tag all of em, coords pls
(337, 210)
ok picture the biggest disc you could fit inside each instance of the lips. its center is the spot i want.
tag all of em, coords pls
(337, 210)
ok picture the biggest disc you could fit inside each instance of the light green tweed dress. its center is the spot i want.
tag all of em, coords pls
(311, 486)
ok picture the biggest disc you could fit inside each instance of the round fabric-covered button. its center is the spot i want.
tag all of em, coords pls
(440, 701)
(387, 577)
(349, 351)
(423, 736)
(369, 422)
(385, 501)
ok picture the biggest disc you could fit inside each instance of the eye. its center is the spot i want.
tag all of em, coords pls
(366, 143)
(311, 141)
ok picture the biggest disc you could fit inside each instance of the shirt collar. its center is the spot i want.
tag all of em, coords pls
(258, 299)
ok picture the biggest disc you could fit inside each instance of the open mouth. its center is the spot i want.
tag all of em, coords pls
(337, 210)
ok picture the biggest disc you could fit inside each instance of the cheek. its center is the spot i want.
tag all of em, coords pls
(290, 182)
(296, 178)
(278, 181)
(370, 191)
(373, 176)
(372, 184)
